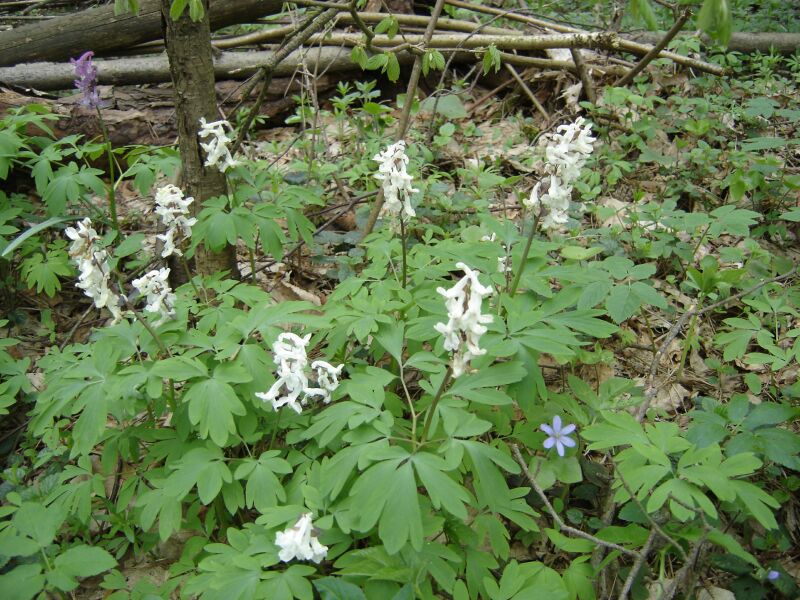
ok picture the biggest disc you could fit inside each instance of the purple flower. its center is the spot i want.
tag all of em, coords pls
(86, 81)
(773, 575)
(558, 435)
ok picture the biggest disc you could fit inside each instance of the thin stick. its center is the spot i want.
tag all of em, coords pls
(655, 51)
(637, 565)
(405, 117)
(304, 32)
(534, 100)
(561, 525)
(583, 73)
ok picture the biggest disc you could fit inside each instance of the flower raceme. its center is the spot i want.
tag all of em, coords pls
(466, 324)
(558, 435)
(172, 207)
(300, 542)
(397, 188)
(216, 148)
(94, 271)
(160, 299)
(566, 153)
(86, 82)
(289, 355)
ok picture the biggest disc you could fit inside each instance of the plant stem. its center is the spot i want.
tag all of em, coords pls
(403, 244)
(112, 193)
(274, 431)
(524, 260)
(150, 330)
(432, 409)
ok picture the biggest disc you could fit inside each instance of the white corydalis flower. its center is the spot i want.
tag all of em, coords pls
(160, 299)
(94, 272)
(327, 380)
(397, 188)
(566, 152)
(466, 324)
(502, 261)
(289, 355)
(172, 207)
(300, 542)
(217, 152)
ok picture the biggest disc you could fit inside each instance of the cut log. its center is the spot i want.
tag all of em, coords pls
(155, 69)
(99, 30)
(783, 43)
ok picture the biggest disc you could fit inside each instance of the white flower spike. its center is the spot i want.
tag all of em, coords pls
(300, 542)
(160, 299)
(217, 153)
(465, 324)
(94, 271)
(172, 207)
(566, 152)
(291, 359)
(397, 188)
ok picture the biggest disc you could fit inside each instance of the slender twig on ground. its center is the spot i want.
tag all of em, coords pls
(531, 96)
(561, 525)
(655, 51)
(405, 117)
(637, 565)
(583, 74)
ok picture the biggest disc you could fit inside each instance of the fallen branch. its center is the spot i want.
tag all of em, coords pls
(624, 44)
(783, 43)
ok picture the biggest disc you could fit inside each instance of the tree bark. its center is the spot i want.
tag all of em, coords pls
(97, 29)
(189, 50)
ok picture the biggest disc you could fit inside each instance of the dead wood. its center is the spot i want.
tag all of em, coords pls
(99, 30)
(783, 43)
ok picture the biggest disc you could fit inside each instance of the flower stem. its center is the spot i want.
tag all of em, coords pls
(112, 192)
(274, 431)
(403, 244)
(432, 409)
(524, 259)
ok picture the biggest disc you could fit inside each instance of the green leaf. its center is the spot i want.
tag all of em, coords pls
(392, 68)
(23, 582)
(336, 588)
(757, 502)
(442, 489)
(622, 303)
(212, 405)
(177, 8)
(641, 9)
(401, 520)
(715, 19)
(568, 544)
(179, 368)
(33, 230)
(85, 561)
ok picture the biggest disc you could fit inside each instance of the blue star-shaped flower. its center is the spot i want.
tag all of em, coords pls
(558, 435)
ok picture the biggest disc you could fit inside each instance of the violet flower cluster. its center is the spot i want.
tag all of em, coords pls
(86, 82)
(566, 153)
(292, 388)
(94, 271)
(172, 207)
(397, 188)
(466, 324)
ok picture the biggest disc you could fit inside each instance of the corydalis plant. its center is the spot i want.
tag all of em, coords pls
(566, 153)
(289, 355)
(466, 324)
(397, 188)
(216, 148)
(86, 82)
(160, 299)
(172, 207)
(94, 271)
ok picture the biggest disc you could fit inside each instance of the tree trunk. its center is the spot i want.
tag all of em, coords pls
(189, 50)
(98, 29)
